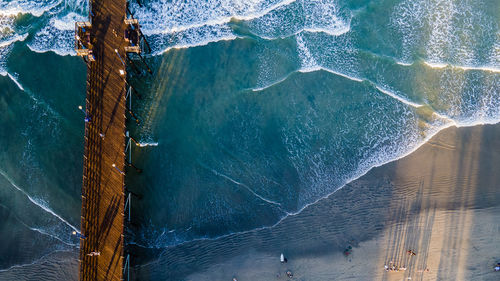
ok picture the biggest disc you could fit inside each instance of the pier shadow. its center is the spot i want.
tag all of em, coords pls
(408, 238)
(457, 183)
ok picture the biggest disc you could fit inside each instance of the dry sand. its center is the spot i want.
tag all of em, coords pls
(442, 201)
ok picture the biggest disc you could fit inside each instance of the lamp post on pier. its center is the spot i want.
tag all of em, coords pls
(87, 117)
(116, 51)
(116, 168)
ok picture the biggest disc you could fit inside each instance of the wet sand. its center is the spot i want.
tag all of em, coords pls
(441, 201)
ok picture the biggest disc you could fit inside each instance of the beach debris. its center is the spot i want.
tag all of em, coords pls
(283, 259)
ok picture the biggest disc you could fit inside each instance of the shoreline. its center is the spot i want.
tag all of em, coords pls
(451, 124)
(452, 172)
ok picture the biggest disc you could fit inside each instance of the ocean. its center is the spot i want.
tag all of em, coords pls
(256, 111)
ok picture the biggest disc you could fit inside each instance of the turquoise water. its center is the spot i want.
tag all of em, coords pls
(255, 111)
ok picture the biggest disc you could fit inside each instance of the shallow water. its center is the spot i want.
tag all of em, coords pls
(255, 110)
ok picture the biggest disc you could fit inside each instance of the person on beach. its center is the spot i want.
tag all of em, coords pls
(497, 268)
(411, 253)
(283, 259)
(348, 251)
(289, 274)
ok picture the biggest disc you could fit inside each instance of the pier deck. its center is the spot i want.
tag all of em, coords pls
(102, 222)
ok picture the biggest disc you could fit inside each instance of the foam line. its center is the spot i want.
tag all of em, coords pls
(248, 188)
(463, 67)
(143, 144)
(337, 32)
(393, 95)
(319, 68)
(198, 44)
(223, 20)
(240, 184)
(333, 72)
(259, 89)
(14, 39)
(34, 201)
(233, 37)
(14, 8)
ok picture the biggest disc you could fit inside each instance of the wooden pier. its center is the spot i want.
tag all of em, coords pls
(103, 198)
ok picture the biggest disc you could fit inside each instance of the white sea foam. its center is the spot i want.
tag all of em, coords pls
(174, 25)
(449, 31)
(57, 36)
(34, 7)
(193, 43)
(353, 78)
(350, 77)
(393, 95)
(463, 67)
(165, 17)
(144, 144)
(15, 81)
(7, 38)
(244, 185)
(307, 60)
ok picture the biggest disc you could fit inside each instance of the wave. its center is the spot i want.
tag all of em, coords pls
(242, 184)
(57, 36)
(171, 30)
(15, 81)
(194, 24)
(142, 13)
(353, 78)
(195, 44)
(40, 203)
(34, 7)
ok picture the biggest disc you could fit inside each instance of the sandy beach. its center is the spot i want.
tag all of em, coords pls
(441, 201)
